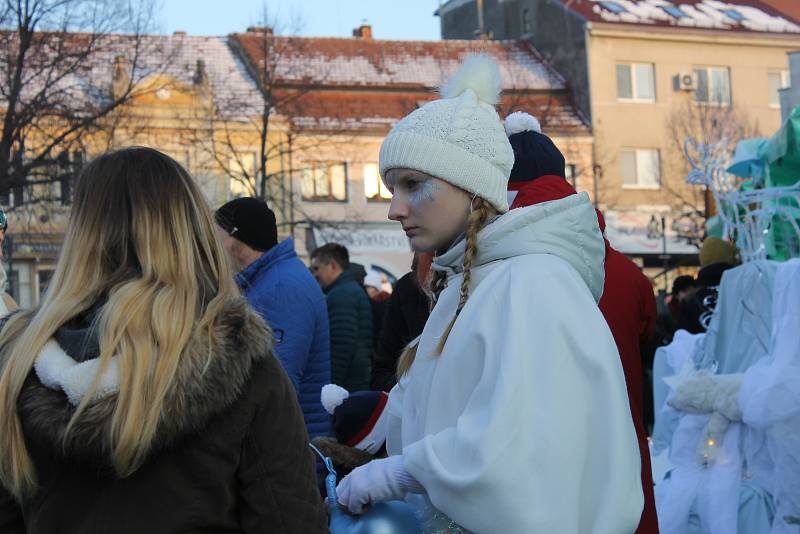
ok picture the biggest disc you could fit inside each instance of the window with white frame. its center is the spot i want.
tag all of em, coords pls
(242, 170)
(324, 181)
(569, 173)
(713, 86)
(43, 277)
(778, 79)
(636, 82)
(640, 168)
(374, 188)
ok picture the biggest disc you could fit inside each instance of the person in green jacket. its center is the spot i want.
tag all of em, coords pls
(350, 317)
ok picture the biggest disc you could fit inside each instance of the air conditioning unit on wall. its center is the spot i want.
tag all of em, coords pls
(685, 81)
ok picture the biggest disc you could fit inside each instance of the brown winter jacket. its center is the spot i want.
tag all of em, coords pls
(231, 450)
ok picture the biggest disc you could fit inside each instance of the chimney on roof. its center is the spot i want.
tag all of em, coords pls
(179, 33)
(266, 30)
(200, 78)
(363, 32)
(120, 77)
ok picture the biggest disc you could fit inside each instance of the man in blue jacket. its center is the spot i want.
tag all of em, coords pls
(280, 287)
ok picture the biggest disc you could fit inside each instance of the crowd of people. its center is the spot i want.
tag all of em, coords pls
(182, 359)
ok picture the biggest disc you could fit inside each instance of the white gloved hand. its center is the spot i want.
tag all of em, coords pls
(380, 480)
(701, 392)
(726, 396)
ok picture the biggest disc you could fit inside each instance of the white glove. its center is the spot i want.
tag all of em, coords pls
(380, 480)
(702, 393)
(726, 396)
(699, 392)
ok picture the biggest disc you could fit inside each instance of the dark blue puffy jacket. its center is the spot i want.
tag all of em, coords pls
(280, 287)
(350, 314)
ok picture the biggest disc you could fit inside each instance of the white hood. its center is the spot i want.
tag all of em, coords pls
(566, 228)
(526, 403)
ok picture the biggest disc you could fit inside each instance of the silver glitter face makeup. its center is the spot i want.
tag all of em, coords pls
(425, 193)
(432, 212)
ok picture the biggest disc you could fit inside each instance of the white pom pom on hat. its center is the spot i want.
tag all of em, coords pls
(480, 74)
(458, 138)
(519, 122)
(332, 396)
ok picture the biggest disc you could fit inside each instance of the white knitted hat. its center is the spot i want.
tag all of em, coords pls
(458, 138)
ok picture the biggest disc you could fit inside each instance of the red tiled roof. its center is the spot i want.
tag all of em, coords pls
(764, 16)
(789, 8)
(366, 84)
(377, 111)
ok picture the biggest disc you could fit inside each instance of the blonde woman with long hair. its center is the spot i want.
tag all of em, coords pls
(142, 395)
(511, 413)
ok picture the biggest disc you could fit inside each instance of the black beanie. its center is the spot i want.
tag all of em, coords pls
(535, 154)
(250, 221)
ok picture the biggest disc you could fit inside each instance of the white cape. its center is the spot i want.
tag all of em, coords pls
(523, 423)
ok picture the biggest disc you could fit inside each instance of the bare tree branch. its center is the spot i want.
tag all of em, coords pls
(708, 124)
(51, 96)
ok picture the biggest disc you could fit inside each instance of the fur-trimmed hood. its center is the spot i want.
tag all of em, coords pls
(212, 374)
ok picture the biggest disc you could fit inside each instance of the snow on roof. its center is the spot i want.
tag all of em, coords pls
(232, 86)
(176, 57)
(372, 62)
(736, 15)
(173, 56)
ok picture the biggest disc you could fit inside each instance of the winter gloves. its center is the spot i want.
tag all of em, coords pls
(380, 480)
(699, 392)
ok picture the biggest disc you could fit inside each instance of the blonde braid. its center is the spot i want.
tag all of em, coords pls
(479, 214)
(481, 210)
(436, 284)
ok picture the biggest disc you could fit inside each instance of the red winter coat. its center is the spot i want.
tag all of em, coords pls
(629, 306)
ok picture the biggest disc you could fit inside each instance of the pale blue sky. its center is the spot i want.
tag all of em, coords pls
(390, 19)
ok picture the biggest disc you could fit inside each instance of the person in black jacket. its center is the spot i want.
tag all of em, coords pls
(406, 314)
(143, 394)
(378, 299)
(349, 315)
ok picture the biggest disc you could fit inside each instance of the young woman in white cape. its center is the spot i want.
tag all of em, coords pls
(511, 413)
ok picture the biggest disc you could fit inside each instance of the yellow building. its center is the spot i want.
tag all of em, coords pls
(191, 98)
(646, 73)
(652, 85)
